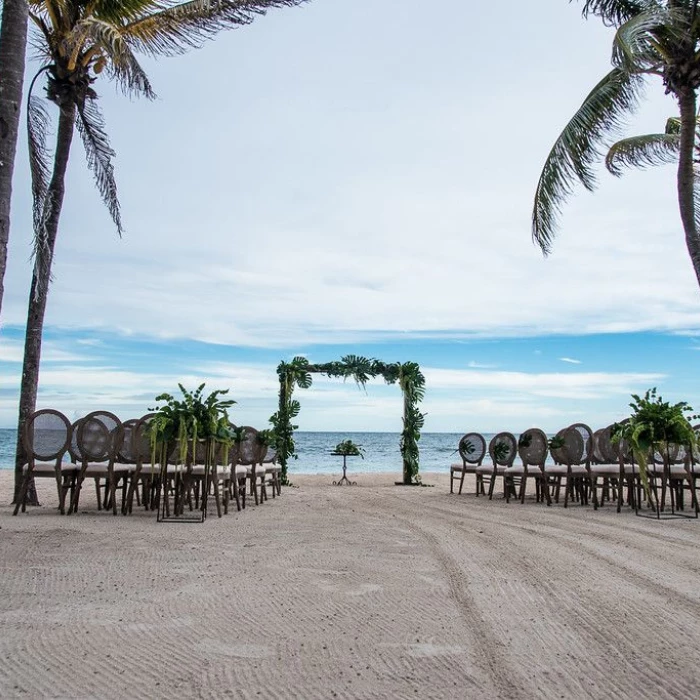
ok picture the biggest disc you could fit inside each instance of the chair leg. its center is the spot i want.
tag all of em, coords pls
(217, 496)
(22, 496)
(492, 484)
(461, 481)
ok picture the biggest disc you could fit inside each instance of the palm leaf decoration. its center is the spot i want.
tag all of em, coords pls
(653, 38)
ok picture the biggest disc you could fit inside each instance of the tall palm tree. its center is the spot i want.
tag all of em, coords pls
(78, 40)
(654, 38)
(13, 41)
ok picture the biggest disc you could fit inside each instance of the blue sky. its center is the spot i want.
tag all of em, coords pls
(343, 178)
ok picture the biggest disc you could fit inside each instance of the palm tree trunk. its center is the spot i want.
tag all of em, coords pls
(13, 41)
(39, 290)
(686, 176)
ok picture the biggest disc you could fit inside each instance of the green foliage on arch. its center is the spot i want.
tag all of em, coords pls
(297, 374)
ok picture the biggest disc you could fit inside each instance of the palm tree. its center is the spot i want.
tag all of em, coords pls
(13, 40)
(653, 38)
(78, 40)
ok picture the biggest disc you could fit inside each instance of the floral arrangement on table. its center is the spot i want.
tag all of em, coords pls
(347, 448)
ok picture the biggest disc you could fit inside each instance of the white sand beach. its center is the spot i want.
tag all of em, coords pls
(373, 591)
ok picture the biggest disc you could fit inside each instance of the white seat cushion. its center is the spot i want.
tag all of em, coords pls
(605, 469)
(488, 469)
(100, 469)
(49, 468)
(561, 470)
(519, 470)
(468, 468)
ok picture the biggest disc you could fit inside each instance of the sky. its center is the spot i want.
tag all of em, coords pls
(344, 177)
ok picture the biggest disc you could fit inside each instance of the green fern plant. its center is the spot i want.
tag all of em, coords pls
(348, 448)
(654, 425)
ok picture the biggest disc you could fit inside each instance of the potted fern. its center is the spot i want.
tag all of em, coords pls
(654, 426)
(181, 429)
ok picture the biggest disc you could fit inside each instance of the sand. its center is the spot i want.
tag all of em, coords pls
(373, 591)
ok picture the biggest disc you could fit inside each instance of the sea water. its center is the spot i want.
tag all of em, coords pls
(437, 452)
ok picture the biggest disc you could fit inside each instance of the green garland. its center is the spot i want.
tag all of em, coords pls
(297, 373)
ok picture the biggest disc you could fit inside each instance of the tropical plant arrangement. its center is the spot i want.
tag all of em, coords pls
(653, 426)
(347, 448)
(297, 373)
(654, 38)
(195, 417)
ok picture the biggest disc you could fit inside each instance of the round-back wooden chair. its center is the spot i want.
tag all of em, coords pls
(533, 448)
(46, 439)
(99, 439)
(503, 448)
(472, 450)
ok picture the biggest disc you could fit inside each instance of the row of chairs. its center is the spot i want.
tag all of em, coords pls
(118, 456)
(583, 463)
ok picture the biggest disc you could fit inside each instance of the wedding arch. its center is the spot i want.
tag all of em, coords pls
(297, 373)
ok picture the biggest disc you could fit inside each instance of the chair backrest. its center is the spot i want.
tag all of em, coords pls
(505, 455)
(141, 440)
(604, 451)
(622, 448)
(73, 448)
(270, 454)
(578, 439)
(46, 436)
(127, 449)
(99, 434)
(663, 452)
(533, 447)
(249, 447)
(560, 454)
(472, 448)
(587, 441)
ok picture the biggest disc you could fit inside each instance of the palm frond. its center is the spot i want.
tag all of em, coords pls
(187, 25)
(615, 12)
(91, 127)
(40, 167)
(642, 152)
(121, 11)
(636, 48)
(578, 148)
(121, 62)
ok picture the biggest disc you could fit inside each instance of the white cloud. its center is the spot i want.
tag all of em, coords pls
(574, 386)
(570, 360)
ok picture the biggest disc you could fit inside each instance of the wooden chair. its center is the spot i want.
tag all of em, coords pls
(144, 474)
(250, 454)
(99, 439)
(46, 438)
(605, 464)
(570, 464)
(532, 449)
(273, 470)
(502, 449)
(472, 449)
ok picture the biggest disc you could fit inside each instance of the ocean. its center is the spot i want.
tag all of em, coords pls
(437, 452)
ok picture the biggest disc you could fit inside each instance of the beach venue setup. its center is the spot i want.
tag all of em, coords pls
(349, 197)
(174, 458)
